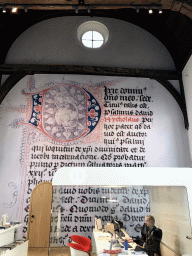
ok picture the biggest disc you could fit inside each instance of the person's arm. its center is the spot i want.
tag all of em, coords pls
(129, 239)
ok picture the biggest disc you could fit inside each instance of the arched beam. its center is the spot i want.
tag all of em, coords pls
(177, 96)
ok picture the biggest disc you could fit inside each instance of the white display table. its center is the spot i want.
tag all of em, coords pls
(100, 241)
(19, 250)
(7, 235)
(7, 238)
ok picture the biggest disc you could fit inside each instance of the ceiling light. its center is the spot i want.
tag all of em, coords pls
(150, 11)
(14, 10)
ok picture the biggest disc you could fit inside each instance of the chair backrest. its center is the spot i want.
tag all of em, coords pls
(80, 243)
(81, 240)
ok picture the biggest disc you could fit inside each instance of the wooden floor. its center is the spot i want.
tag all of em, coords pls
(38, 252)
(61, 251)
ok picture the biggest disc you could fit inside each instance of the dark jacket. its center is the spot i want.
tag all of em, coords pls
(153, 239)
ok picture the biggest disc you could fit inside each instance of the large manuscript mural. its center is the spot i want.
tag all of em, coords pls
(53, 121)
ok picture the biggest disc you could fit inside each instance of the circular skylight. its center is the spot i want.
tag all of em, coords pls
(92, 39)
(92, 34)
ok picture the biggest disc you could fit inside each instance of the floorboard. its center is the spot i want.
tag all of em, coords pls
(38, 251)
(63, 251)
(57, 251)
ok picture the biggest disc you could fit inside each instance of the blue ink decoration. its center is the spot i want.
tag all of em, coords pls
(34, 120)
(94, 105)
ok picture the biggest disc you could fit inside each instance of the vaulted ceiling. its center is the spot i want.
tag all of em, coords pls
(173, 27)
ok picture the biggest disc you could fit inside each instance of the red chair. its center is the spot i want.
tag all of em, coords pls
(80, 243)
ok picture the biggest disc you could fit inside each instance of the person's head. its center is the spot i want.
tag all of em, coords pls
(150, 220)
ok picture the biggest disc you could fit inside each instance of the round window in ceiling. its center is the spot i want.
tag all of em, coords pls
(92, 34)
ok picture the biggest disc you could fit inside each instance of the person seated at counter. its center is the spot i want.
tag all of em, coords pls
(144, 229)
(150, 237)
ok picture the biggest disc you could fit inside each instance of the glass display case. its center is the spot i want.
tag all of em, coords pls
(75, 209)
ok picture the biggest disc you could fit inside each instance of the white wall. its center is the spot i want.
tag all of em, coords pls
(54, 41)
(169, 205)
(187, 80)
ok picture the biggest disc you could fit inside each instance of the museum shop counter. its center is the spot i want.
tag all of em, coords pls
(101, 242)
